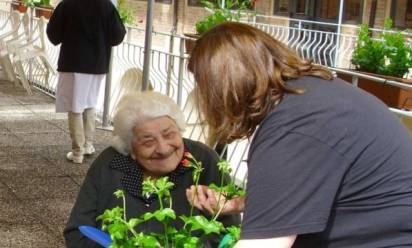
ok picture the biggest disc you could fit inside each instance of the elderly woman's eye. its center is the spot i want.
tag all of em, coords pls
(170, 135)
(147, 142)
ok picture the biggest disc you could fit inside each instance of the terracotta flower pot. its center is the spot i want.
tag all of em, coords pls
(18, 5)
(391, 95)
(46, 12)
(191, 42)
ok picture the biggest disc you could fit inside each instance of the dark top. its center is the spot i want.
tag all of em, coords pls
(332, 165)
(112, 171)
(86, 29)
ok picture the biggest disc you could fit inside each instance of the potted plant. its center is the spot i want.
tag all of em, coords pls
(231, 11)
(125, 13)
(18, 5)
(123, 231)
(42, 7)
(388, 56)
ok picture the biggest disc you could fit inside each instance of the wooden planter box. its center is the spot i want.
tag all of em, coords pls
(190, 43)
(46, 12)
(391, 95)
(18, 5)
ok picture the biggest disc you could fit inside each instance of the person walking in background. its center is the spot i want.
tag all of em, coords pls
(86, 30)
(329, 165)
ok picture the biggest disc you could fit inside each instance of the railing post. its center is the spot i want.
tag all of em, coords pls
(355, 80)
(335, 63)
(170, 64)
(129, 34)
(31, 27)
(148, 44)
(107, 95)
(180, 76)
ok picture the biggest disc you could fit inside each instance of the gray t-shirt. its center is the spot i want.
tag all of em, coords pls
(332, 165)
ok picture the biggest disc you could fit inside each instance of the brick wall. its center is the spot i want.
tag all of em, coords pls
(188, 15)
(265, 7)
(163, 15)
(382, 12)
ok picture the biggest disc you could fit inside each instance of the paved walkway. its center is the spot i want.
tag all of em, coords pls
(37, 185)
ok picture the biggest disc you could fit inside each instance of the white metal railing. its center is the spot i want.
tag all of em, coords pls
(169, 75)
(329, 44)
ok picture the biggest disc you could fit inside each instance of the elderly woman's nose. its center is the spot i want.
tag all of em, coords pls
(162, 146)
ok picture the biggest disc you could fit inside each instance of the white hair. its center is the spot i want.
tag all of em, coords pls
(138, 107)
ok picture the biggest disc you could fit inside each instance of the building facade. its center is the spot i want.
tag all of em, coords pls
(355, 12)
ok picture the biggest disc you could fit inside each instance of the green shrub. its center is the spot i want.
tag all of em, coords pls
(125, 14)
(390, 54)
(231, 12)
(37, 3)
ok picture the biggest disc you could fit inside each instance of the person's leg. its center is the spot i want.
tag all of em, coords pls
(89, 124)
(77, 136)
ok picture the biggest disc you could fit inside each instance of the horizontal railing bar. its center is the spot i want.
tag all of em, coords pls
(404, 86)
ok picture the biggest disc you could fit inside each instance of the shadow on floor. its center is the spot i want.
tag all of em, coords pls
(37, 185)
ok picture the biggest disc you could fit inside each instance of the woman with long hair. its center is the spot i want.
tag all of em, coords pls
(328, 163)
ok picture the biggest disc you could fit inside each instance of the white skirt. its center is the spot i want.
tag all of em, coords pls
(77, 91)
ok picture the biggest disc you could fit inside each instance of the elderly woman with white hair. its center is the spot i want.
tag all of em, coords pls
(147, 142)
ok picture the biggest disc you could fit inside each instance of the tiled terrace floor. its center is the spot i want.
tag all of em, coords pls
(37, 185)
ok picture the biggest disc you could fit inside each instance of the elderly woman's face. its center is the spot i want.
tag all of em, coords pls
(158, 146)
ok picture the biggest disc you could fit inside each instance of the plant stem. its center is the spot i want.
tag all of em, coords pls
(124, 207)
(166, 238)
(197, 170)
(159, 196)
(193, 201)
(160, 201)
(220, 210)
(220, 195)
(194, 197)
(130, 229)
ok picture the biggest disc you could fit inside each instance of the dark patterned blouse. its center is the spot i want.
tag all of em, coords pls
(112, 171)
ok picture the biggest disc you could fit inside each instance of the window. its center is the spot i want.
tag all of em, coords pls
(352, 11)
(323, 10)
(303, 7)
(282, 7)
(328, 10)
(160, 1)
(195, 3)
(402, 13)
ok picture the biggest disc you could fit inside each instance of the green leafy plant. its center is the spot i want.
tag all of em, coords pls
(37, 3)
(122, 230)
(125, 13)
(231, 11)
(390, 54)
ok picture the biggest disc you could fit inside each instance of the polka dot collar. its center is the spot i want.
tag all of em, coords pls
(132, 178)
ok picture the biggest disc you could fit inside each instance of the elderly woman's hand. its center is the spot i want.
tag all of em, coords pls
(206, 200)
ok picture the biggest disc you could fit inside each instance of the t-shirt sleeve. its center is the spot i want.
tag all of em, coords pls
(293, 180)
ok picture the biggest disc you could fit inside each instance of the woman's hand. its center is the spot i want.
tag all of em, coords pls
(206, 200)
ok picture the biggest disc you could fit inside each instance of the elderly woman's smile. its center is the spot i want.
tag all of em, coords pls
(157, 145)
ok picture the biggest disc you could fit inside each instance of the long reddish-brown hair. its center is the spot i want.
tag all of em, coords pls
(240, 74)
